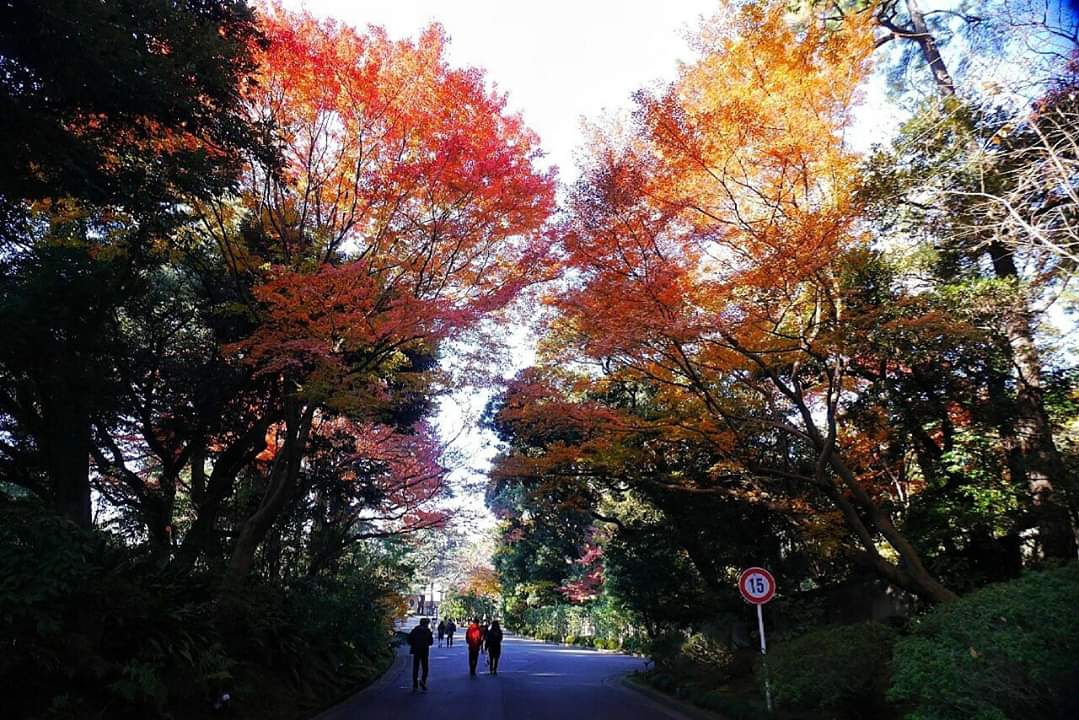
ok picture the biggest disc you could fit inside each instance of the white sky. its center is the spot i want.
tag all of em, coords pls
(559, 60)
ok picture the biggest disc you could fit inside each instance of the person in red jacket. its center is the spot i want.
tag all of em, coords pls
(474, 638)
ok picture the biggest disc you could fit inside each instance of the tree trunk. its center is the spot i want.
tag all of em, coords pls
(198, 471)
(325, 540)
(209, 495)
(157, 511)
(283, 477)
(1033, 455)
(1041, 465)
(930, 50)
(67, 456)
(911, 574)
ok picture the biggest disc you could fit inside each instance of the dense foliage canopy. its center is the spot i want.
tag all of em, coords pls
(773, 347)
(244, 251)
(231, 265)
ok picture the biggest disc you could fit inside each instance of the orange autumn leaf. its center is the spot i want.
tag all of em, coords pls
(408, 207)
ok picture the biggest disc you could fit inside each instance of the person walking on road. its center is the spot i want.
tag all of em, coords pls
(474, 638)
(451, 628)
(420, 641)
(441, 631)
(494, 646)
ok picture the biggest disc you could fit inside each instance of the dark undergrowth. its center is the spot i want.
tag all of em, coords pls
(89, 629)
(1009, 651)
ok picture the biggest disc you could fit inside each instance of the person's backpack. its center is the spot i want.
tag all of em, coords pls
(419, 640)
(474, 636)
(412, 641)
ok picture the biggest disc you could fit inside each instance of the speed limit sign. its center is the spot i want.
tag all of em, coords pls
(757, 585)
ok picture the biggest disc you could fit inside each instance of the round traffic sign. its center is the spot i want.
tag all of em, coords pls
(757, 585)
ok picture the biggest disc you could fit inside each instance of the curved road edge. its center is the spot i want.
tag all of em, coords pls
(393, 668)
(671, 705)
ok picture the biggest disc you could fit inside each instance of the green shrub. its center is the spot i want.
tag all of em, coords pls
(701, 659)
(598, 624)
(1004, 651)
(731, 708)
(632, 644)
(606, 643)
(88, 630)
(842, 669)
(712, 656)
(666, 650)
(84, 625)
(660, 680)
(584, 641)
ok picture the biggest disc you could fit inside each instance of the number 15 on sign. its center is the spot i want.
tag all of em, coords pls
(758, 587)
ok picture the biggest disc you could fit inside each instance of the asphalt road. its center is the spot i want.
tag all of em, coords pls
(535, 681)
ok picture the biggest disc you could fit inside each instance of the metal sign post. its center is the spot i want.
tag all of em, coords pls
(764, 659)
(758, 587)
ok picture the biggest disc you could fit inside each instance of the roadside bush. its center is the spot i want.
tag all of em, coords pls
(666, 650)
(842, 669)
(731, 708)
(660, 680)
(85, 626)
(713, 655)
(1006, 651)
(699, 658)
(600, 625)
(720, 701)
(582, 640)
(351, 615)
(631, 644)
(89, 630)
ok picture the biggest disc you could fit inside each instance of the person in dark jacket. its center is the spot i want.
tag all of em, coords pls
(494, 646)
(474, 638)
(420, 641)
(451, 628)
(441, 631)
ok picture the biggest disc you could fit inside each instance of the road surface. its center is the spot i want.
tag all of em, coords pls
(536, 681)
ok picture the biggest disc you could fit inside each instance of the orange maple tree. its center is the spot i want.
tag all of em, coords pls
(405, 210)
(707, 242)
(482, 581)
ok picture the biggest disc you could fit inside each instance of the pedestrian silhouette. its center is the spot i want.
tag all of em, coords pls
(420, 641)
(474, 638)
(494, 646)
(441, 631)
(451, 628)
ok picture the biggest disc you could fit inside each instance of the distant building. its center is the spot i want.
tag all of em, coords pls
(425, 601)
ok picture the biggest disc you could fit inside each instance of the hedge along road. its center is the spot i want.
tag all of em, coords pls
(535, 681)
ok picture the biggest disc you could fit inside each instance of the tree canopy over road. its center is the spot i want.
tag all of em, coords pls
(245, 250)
